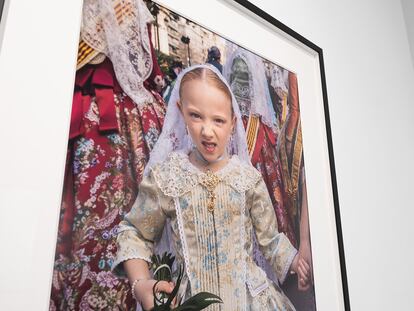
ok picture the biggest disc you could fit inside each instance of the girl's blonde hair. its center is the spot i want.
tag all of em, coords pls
(209, 76)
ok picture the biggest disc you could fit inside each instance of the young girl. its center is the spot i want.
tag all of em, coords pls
(200, 179)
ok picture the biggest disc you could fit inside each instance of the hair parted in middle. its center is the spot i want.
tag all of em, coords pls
(209, 76)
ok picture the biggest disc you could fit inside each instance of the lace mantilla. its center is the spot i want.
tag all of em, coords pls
(118, 28)
(253, 96)
(177, 175)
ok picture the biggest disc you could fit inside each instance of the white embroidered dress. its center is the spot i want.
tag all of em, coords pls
(214, 247)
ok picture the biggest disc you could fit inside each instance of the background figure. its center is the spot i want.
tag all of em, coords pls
(174, 70)
(279, 89)
(117, 116)
(213, 58)
(246, 76)
(290, 152)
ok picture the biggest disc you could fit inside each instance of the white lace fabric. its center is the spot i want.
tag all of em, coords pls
(279, 79)
(118, 28)
(177, 175)
(260, 103)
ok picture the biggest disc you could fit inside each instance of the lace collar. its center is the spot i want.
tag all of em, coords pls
(177, 175)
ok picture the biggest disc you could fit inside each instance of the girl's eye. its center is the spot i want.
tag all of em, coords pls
(220, 121)
(194, 115)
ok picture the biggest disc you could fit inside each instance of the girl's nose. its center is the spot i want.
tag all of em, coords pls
(206, 130)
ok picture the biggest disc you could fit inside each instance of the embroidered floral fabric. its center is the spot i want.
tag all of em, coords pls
(103, 170)
(218, 245)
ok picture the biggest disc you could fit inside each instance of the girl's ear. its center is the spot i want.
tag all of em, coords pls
(180, 106)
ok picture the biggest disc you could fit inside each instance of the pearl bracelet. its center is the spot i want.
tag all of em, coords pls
(133, 287)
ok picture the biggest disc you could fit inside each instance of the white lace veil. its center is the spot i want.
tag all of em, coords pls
(279, 79)
(118, 28)
(174, 135)
(258, 90)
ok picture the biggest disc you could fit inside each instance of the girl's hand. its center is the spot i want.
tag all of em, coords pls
(302, 269)
(304, 274)
(144, 293)
(306, 256)
(294, 265)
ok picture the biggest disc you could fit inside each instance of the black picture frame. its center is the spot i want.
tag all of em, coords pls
(1, 8)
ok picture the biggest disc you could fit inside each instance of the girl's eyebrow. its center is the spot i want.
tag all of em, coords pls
(190, 107)
(219, 116)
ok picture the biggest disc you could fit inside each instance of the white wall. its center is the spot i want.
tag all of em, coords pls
(370, 82)
(32, 148)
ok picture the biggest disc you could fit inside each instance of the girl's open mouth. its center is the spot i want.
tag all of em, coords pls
(209, 147)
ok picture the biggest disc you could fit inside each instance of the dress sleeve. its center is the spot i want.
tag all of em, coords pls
(141, 227)
(275, 246)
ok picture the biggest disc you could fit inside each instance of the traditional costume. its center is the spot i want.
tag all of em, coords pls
(213, 218)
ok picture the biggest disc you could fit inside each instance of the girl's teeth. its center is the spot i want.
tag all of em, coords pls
(209, 146)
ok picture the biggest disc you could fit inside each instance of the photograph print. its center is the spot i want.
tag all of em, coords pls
(185, 175)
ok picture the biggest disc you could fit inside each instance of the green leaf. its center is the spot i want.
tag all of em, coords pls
(161, 308)
(199, 302)
(177, 286)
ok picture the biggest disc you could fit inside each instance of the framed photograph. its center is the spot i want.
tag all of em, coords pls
(130, 54)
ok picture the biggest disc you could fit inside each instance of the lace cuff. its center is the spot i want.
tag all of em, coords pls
(130, 246)
(285, 253)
